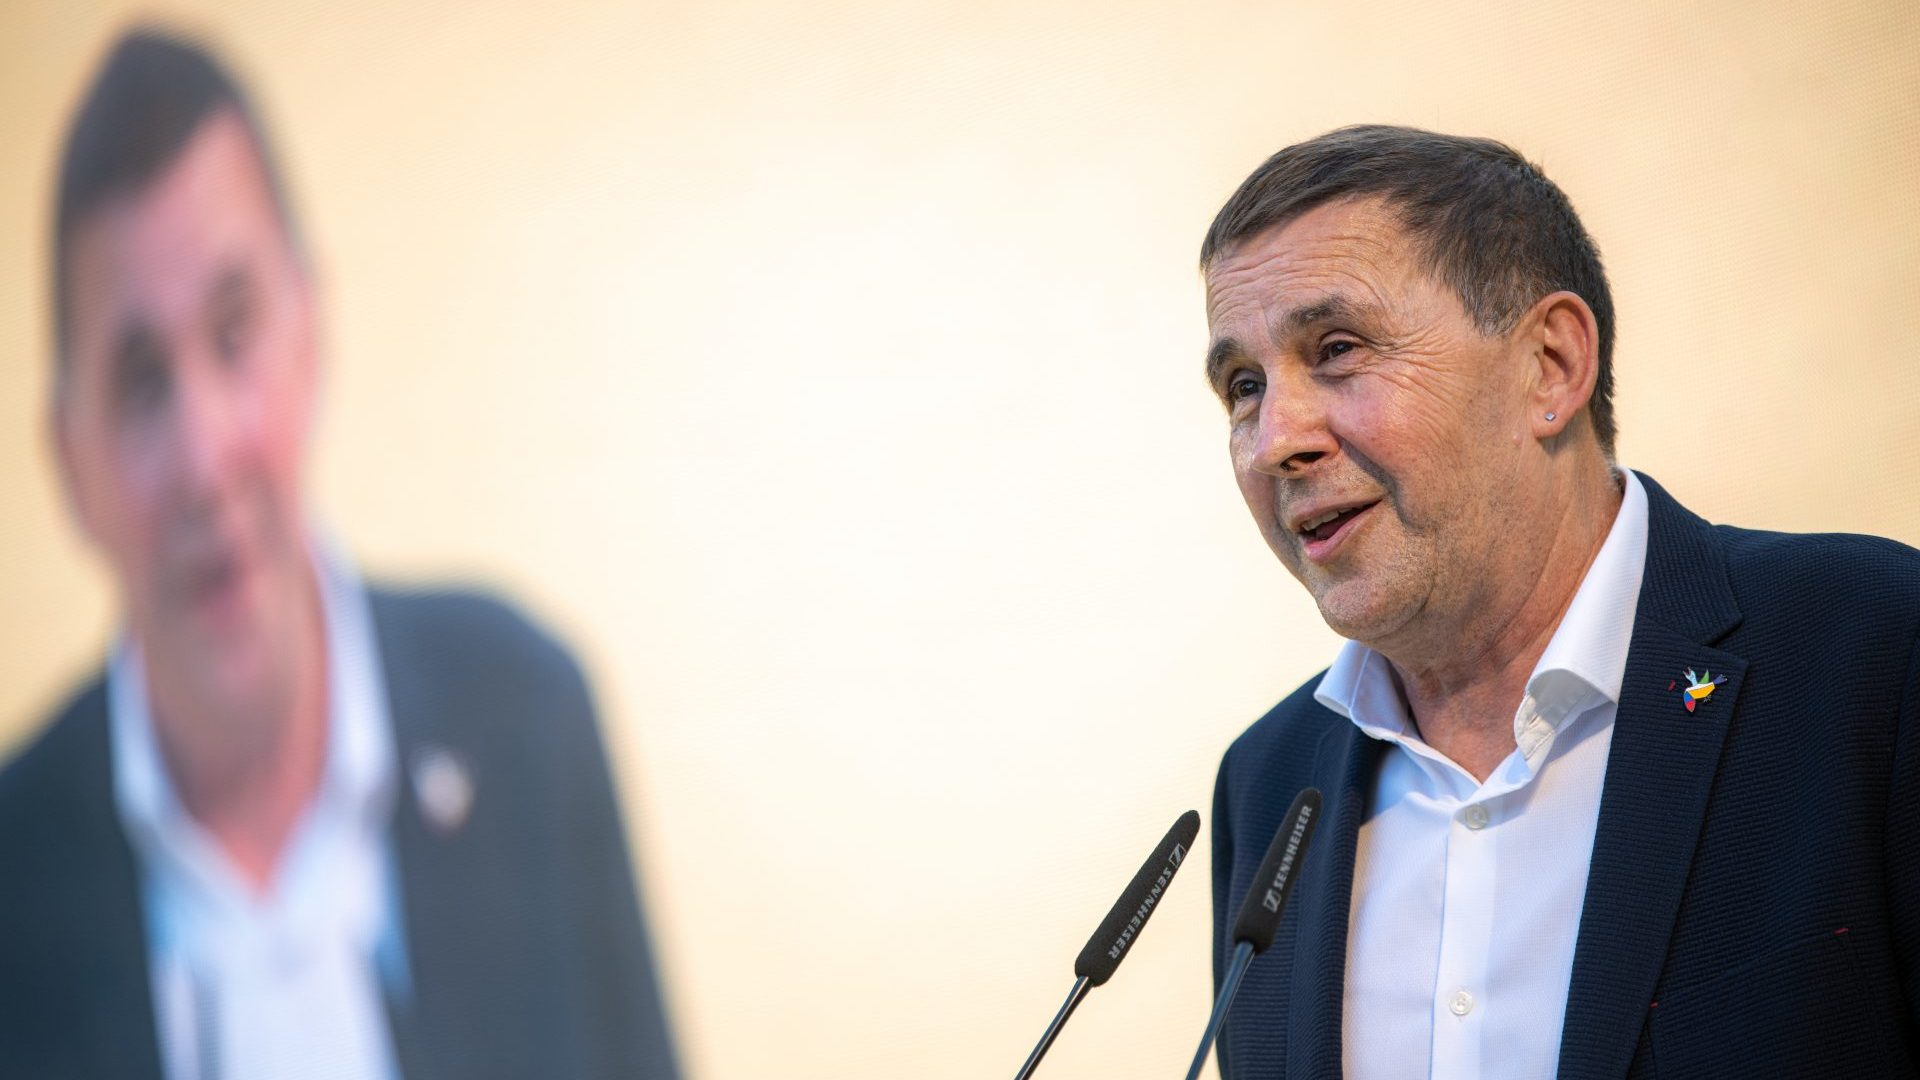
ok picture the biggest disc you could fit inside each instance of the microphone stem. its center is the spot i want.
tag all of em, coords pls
(1242, 959)
(1073, 1001)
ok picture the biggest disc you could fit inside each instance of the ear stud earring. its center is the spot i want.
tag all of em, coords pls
(1550, 417)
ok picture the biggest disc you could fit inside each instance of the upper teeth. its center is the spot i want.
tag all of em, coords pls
(1313, 523)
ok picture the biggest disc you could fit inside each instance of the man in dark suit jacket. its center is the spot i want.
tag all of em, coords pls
(525, 949)
(299, 827)
(1412, 337)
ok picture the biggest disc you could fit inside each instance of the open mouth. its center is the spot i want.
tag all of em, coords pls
(1321, 533)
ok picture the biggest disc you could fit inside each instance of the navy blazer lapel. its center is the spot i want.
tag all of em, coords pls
(83, 995)
(1660, 771)
(116, 957)
(1344, 768)
(443, 880)
(409, 698)
(484, 915)
(108, 917)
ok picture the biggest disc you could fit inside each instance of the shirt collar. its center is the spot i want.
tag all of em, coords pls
(1586, 657)
(357, 782)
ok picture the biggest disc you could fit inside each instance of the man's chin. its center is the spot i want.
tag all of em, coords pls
(224, 612)
(244, 685)
(223, 650)
(1359, 613)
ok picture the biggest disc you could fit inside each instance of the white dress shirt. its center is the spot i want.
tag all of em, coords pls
(288, 981)
(1467, 895)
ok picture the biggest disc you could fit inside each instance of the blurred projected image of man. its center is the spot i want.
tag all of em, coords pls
(1610, 791)
(298, 826)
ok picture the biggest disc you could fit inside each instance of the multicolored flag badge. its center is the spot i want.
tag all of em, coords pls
(1698, 689)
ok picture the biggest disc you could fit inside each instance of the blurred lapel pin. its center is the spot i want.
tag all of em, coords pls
(443, 786)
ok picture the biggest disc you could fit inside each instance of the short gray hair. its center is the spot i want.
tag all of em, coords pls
(1494, 228)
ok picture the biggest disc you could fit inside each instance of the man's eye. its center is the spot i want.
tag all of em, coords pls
(143, 389)
(1241, 387)
(1333, 350)
(141, 380)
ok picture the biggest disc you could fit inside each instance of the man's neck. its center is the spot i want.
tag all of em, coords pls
(1462, 694)
(247, 771)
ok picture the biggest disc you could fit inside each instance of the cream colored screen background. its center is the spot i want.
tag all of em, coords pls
(829, 376)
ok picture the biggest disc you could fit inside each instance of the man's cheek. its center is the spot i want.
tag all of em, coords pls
(1370, 412)
(120, 508)
(1257, 490)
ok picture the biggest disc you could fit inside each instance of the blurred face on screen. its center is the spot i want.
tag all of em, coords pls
(1374, 427)
(184, 412)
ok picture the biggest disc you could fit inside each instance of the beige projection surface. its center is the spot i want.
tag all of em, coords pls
(829, 375)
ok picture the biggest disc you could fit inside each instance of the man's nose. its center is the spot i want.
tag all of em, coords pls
(206, 426)
(1292, 432)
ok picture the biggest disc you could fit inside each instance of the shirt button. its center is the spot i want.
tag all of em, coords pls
(1461, 1003)
(1475, 817)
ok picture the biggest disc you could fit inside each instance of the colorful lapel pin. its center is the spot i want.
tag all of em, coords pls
(1698, 689)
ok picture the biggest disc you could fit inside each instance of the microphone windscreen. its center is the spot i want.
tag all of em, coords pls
(1118, 931)
(1267, 896)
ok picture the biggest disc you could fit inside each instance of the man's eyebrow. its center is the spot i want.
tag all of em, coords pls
(232, 293)
(1224, 351)
(1336, 306)
(234, 283)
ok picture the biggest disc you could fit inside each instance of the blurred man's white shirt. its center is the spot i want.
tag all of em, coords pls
(287, 982)
(1467, 895)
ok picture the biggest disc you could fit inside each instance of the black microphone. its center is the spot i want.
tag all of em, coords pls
(1121, 928)
(1260, 912)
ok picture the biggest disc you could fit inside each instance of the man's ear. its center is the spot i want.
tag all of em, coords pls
(1563, 338)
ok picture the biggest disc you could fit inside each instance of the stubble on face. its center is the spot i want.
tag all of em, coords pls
(1350, 375)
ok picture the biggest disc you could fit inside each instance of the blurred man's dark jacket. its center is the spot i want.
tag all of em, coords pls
(526, 949)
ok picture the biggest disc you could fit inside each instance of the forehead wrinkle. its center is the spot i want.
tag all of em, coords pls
(1228, 280)
(1363, 258)
(1342, 264)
